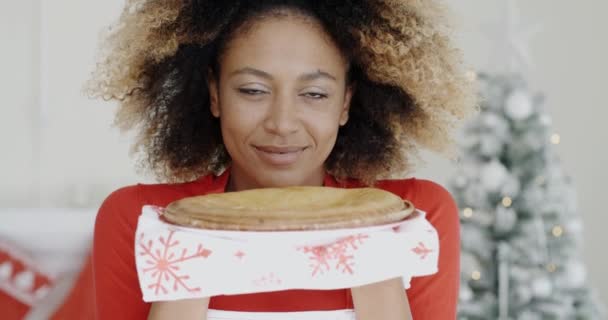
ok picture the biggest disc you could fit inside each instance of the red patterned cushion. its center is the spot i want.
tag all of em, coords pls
(22, 283)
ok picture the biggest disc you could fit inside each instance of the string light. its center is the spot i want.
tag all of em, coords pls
(557, 231)
(476, 275)
(555, 138)
(467, 212)
(507, 202)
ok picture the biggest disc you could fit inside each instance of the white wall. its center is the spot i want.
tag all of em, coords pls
(58, 147)
(19, 24)
(55, 138)
(83, 156)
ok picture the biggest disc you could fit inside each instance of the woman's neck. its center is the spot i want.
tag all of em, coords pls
(239, 181)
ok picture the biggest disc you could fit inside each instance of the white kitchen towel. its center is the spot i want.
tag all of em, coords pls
(175, 262)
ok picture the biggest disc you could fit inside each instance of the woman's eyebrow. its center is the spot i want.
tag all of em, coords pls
(304, 77)
(251, 71)
(316, 75)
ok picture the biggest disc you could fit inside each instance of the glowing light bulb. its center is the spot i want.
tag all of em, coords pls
(476, 275)
(507, 202)
(557, 231)
(467, 212)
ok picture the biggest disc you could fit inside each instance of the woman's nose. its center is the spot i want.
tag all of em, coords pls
(282, 116)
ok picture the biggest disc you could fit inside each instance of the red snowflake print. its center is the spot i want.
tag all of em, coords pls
(338, 253)
(422, 250)
(239, 254)
(164, 263)
(266, 280)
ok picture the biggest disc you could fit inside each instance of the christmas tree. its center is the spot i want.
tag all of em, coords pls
(520, 230)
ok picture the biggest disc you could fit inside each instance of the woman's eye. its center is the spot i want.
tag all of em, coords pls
(315, 95)
(252, 92)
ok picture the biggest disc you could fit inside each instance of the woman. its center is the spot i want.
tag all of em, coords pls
(234, 95)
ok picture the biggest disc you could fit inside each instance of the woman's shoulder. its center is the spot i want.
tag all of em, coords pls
(147, 193)
(426, 195)
(415, 187)
(125, 203)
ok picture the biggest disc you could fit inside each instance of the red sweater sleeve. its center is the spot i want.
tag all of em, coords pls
(117, 292)
(436, 296)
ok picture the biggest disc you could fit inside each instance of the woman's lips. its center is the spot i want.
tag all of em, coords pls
(279, 156)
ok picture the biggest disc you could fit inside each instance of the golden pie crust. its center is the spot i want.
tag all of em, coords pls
(289, 208)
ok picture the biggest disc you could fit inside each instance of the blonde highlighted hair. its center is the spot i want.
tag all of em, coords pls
(412, 86)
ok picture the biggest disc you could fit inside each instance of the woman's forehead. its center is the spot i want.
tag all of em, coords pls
(284, 43)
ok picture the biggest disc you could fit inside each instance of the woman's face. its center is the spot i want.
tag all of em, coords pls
(281, 97)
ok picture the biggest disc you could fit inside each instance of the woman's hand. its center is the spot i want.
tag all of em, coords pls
(189, 309)
(381, 300)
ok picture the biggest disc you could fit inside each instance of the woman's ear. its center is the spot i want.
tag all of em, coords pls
(213, 94)
(348, 95)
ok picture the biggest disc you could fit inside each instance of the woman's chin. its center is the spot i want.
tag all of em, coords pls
(282, 178)
(279, 178)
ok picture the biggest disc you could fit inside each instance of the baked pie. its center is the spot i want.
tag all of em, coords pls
(289, 208)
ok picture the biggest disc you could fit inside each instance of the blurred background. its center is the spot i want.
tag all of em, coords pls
(61, 156)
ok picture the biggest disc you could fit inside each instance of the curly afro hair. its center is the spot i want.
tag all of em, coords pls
(410, 84)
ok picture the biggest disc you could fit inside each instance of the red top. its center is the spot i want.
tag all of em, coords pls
(117, 292)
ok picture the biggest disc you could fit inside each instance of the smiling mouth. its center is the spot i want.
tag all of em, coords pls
(279, 156)
(274, 149)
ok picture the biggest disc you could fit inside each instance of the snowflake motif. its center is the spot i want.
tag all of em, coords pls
(266, 280)
(164, 264)
(239, 254)
(422, 250)
(339, 252)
